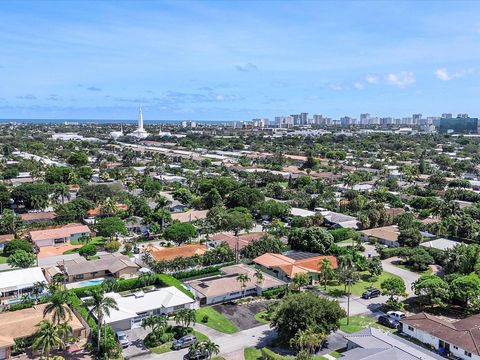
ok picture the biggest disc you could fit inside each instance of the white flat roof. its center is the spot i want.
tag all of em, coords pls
(441, 244)
(301, 212)
(20, 279)
(130, 306)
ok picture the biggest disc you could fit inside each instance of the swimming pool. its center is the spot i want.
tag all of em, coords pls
(92, 282)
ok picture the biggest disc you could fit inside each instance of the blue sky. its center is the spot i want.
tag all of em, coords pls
(235, 60)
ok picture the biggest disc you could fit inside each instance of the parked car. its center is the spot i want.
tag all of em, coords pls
(184, 342)
(198, 355)
(397, 315)
(123, 339)
(388, 322)
(371, 293)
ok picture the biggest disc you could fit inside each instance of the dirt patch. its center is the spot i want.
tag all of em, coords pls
(243, 316)
(56, 250)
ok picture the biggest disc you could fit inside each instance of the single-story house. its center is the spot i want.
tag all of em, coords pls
(66, 233)
(387, 235)
(38, 217)
(23, 324)
(301, 212)
(5, 239)
(441, 244)
(285, 266)
(231, 240)
(189, 216)
(135, 225)
(223, 288)
(160, 253)
(333, 218)
(133, 308)
(117, 265)
(374, 344)
(460, 338)
(16, 283)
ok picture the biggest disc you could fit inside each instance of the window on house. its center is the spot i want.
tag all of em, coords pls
(455, 347)
(178, 307)
(411, 328)
(78, 277)
(468, 354)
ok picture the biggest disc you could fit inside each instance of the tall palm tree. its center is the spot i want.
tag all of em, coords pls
(64, 331)
(100, 305)
(58, 307)
(61, 192)
(185, 317)
(211, 347)
(47, 337)
(156, 322)
(243, 279)
(259, 276)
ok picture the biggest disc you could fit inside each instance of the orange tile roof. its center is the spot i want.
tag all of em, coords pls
(190, 215)
(58, 233)
(290, 266)
(162, 253)
(231, 240)
(49, 215)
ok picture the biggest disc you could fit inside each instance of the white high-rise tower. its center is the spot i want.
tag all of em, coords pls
(140, 119)
(140, 133)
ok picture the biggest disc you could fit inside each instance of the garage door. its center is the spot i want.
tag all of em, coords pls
(41, 243)
(3, 354)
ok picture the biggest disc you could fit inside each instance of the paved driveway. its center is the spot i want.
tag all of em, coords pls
(56, 250)
(136, 348)
(408, 276)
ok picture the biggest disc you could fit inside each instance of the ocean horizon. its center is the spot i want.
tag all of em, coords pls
(108, 121)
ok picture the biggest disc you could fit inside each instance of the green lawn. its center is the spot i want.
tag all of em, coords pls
(3, 259)
(251, 353)
(408, 268)
(359, 287)
(215, 320)
(168, 345)
(360, 322)
(260, 317)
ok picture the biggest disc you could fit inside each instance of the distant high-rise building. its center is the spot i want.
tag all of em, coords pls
(260, 122)
(189, 124)
(318, 119)
(284, 121)
(447, 116)
(462, 116)
(364, 119)
(460, 124)
(416, 118)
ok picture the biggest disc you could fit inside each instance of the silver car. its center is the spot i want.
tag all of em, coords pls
(184, 342)
(123, 339)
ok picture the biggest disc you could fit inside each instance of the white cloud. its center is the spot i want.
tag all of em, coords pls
(401, 79)
(372, 79)
(444, 75)
(359, 86)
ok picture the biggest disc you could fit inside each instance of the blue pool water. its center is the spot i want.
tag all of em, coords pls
(92, 282)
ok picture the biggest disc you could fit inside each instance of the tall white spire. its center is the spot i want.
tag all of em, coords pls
(140, 119)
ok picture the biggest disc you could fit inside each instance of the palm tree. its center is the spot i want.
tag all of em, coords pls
(47, 338)
(37, 289)
(100, 305)
(61, 192)
(300, 280)
(58, 307)
(259, 276)
(243, 279)
(109, 207)
(110, 285)
(64, 331)
(211, 347)
(156, 322)
(185, 317)
(325, 272)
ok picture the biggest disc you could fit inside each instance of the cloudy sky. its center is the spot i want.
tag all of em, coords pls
(234, 60)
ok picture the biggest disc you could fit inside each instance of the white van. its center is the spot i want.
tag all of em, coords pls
(397, 315)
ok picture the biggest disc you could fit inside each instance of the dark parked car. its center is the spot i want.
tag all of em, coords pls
(198, 355)
(388, 322)
(371, 293)
(184, 342)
